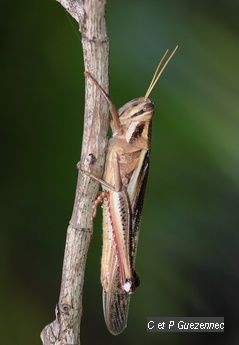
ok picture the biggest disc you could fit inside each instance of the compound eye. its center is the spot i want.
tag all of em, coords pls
(148, 107)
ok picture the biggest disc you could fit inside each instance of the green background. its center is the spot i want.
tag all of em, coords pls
(188, 251)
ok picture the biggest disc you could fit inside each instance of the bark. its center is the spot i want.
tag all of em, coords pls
(65, 329)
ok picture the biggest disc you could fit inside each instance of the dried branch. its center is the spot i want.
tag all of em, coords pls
(65, 329)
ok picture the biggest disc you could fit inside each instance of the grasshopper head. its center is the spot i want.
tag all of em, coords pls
(137, 113)
(137, 110)
(135, 117)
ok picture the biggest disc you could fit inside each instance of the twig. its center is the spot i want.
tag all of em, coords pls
(65, 329)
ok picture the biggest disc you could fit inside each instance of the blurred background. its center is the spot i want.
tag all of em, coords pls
(188, 251)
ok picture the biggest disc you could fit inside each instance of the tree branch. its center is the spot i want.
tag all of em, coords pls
(65, 329)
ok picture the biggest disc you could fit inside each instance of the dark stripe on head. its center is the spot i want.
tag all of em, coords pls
(140, 112)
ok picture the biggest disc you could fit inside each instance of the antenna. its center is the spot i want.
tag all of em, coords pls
(159, 71)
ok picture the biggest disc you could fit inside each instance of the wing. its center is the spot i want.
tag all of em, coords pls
(115, 306)
(136, 191)
(115, 301)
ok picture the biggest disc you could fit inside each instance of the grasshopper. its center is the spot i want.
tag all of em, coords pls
(123, 184)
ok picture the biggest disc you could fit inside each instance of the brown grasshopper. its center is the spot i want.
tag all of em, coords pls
(123, 183)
